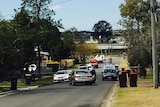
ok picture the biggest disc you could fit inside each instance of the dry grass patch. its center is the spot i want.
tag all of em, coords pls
(145, 95)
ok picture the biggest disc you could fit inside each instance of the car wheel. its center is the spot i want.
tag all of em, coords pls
(90, 83)
(86, 83)
(115, 79)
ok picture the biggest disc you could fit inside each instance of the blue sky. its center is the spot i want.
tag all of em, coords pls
(81, 14)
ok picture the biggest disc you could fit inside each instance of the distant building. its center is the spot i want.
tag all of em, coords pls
(45, 58)
(116, 43)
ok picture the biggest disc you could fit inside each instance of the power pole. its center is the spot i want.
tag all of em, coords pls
(154, 44)
(39, 62)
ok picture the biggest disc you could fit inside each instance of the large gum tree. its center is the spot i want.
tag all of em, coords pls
(136, 21)
(102, 31)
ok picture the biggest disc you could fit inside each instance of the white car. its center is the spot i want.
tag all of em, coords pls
(84, 67)
(90, 67)
(61, 75)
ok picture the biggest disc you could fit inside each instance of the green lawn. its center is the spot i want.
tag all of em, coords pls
(4, 86)
(144, 95)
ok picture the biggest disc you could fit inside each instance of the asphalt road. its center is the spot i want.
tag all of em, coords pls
(62, 94)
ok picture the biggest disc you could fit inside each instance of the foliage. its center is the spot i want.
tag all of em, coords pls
(47, 33)
(31, 27)
(102, 31)
(136, 20)
(76, 35)
(8, 50)
(68, 38)
(83, 50)
(135, 14)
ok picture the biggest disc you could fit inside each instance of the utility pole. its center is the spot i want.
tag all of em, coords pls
(100, 38)
(154, 44)
(39, 62)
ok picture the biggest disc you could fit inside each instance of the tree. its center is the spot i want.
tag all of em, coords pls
(68, 38)
(135, 14)
(8, 50)
(31, 27)
(26, 32)
(102, 31)
(136, 20)
(42, 22)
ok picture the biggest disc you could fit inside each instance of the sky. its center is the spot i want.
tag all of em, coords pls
(81, 14)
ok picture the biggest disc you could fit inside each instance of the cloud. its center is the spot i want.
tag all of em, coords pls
(56, 7)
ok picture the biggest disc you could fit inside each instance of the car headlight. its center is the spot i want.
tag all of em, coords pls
(55, 77)
(66, 76)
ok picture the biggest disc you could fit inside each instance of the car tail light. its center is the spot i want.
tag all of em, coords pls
(77, 76)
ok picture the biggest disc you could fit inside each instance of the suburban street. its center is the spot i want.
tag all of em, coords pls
(62, 94)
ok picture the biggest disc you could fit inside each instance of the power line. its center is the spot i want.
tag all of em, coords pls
(60, 2)
(48, 5)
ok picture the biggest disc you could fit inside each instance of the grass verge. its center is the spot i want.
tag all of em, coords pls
(144, 95)
(5, 86)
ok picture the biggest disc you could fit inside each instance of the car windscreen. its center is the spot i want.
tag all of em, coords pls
(109, 71)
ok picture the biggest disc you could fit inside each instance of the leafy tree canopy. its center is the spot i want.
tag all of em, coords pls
(102, 31)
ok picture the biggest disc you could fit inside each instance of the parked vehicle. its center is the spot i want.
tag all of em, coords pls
(109, 72)
(80, 76)
(61, 75)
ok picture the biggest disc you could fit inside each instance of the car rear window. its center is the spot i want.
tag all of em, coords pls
(93, 62)
(81, 72)
(83, 68)
(60, 73)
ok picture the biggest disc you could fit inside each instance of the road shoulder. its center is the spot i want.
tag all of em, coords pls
(109, 97)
